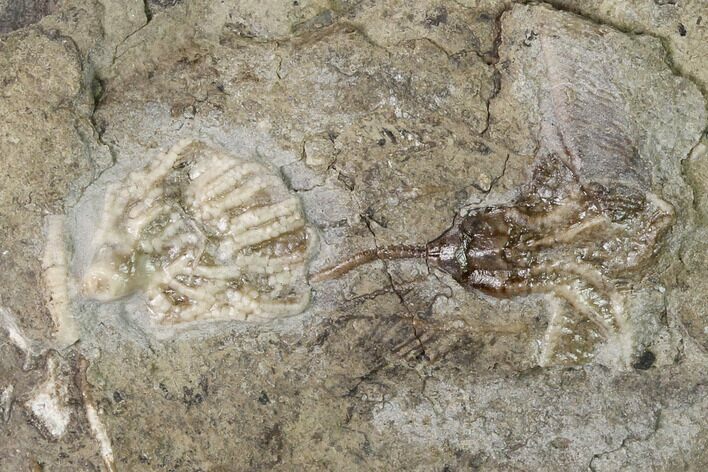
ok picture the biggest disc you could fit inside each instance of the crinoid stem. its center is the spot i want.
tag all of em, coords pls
(387, 253)
(6, 398)
(56, 281)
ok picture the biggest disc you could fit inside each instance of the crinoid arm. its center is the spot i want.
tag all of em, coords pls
(203, 235)
(585, 309)
(571, 338)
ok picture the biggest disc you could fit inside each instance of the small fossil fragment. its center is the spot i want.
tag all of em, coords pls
(205, 235)
(97, 427)
(56, 281)
(29, 347)
(6, 399)
(49, 407)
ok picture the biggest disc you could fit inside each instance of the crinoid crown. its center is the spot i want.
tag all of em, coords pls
(204, 235)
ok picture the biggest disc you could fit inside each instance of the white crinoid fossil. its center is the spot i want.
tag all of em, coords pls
(204, 235)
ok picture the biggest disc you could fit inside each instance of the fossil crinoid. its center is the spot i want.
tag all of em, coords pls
(591, 229)
(205, 235)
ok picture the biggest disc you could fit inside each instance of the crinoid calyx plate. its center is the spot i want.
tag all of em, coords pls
(198, 234)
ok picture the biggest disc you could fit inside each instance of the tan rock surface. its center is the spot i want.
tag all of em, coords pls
(387, 119)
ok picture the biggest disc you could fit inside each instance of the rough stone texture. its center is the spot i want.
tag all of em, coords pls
(15, 14)
(387, 118)
(49, 153)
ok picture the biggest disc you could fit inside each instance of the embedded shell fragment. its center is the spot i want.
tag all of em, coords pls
(205, 235)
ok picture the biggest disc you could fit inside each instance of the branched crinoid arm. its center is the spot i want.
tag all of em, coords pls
(587, 309)
(585, 306)
(129, 208)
